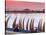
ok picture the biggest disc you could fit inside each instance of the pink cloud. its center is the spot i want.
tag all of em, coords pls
(13, 5)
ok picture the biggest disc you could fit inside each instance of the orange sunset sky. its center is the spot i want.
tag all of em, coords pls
(20, 5)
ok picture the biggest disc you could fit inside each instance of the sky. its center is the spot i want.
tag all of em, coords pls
(20, 5)
(29, 0)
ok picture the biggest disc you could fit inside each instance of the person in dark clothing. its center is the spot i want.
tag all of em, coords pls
(16, 29)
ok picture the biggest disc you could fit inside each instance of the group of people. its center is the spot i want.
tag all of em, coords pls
(20, 26)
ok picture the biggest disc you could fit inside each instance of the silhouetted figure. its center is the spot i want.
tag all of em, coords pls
(23, 23)
(40, 26)
(27, 26)
(32, 25)
(44, 27)
(20, 24)
(14, 24)
(36, 30)
(16, 29)
(6, 22)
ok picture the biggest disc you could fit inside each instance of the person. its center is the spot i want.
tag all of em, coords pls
(16, 28)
